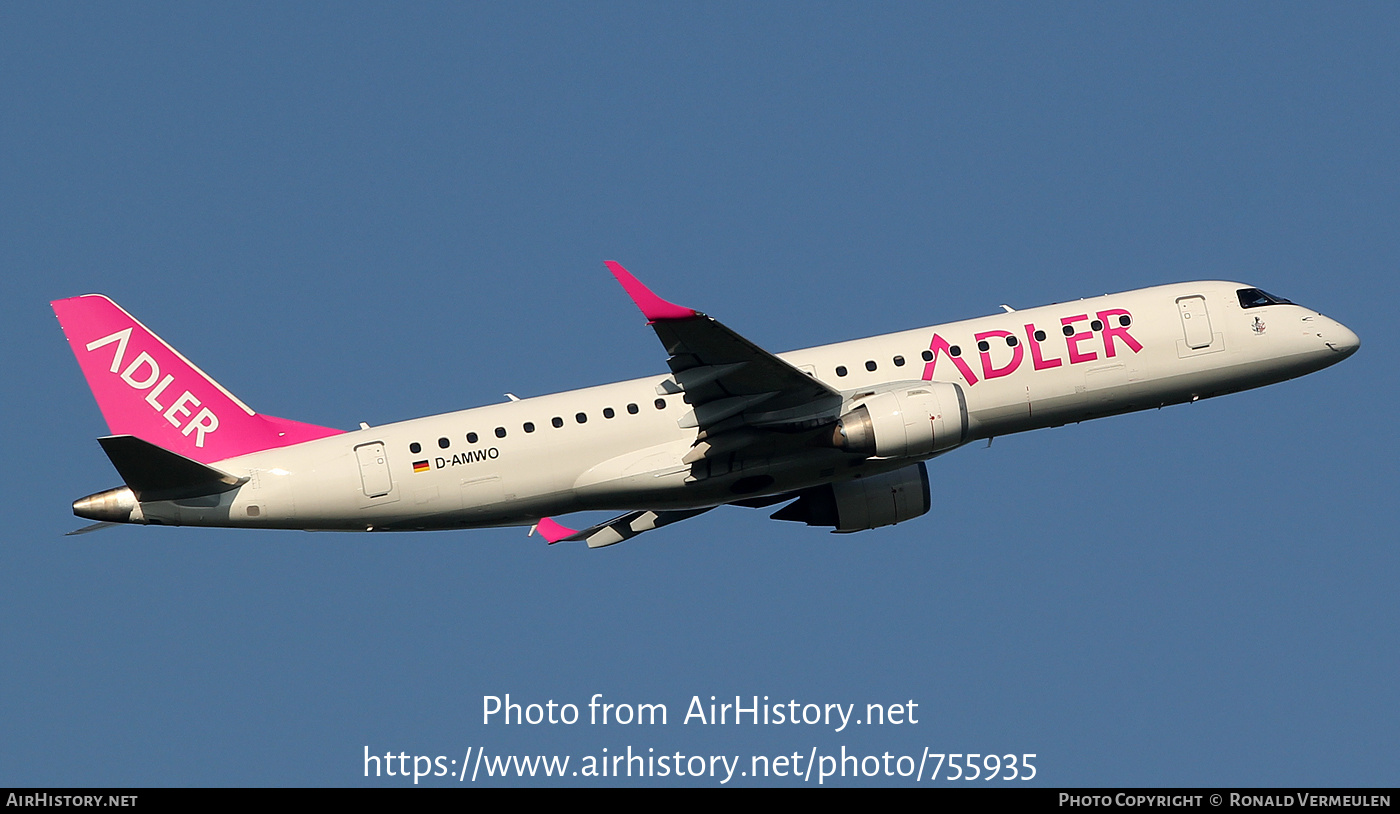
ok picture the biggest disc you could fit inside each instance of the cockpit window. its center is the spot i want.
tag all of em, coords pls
(1253, 298)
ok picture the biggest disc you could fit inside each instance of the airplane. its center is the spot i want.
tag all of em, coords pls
(839, 433)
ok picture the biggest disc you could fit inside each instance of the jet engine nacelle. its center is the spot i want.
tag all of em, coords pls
(864, 503)
(914, 419)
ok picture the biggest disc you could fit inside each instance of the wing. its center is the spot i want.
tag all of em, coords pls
(624, 527)
(744, 402)
(731, 384)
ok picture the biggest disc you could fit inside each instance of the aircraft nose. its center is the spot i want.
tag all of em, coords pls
(1341, 339)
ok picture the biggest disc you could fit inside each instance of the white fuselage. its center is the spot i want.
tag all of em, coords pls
(1180, 342)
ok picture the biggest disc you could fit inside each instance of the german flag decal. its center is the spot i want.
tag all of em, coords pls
(421, 466)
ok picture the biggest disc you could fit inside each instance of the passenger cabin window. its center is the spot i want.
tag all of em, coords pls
(529, 426)
(500, 432)
(581, 418)
(840, 370)
(899, 361)
(608, 412)
(471, 438)
(870, 366)
(444, 443)
(632, 409)
(1254, 298)
(661, 404)
(557, 422)
(415, 447)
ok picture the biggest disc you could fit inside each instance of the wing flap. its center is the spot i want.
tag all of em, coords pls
(710, 413)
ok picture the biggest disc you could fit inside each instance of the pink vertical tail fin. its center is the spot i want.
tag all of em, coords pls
(148, 389)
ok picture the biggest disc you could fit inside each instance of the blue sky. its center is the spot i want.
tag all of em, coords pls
(359, 212)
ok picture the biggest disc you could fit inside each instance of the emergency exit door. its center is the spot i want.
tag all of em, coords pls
(374, 469)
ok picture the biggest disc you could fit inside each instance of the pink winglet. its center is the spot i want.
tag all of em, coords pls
(653, 307)
(148, 389)
(552, 531)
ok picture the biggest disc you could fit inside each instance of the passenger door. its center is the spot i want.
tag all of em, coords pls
(1195, 321)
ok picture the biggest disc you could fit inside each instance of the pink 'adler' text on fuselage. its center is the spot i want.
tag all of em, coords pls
(1045, 353)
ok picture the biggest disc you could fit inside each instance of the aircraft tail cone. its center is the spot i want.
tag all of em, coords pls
(112, 506)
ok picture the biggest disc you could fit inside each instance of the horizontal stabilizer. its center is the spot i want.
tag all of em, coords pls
(154, 473)
(88, 529)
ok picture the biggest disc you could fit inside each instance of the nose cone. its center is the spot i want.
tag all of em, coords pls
(1341, 339)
